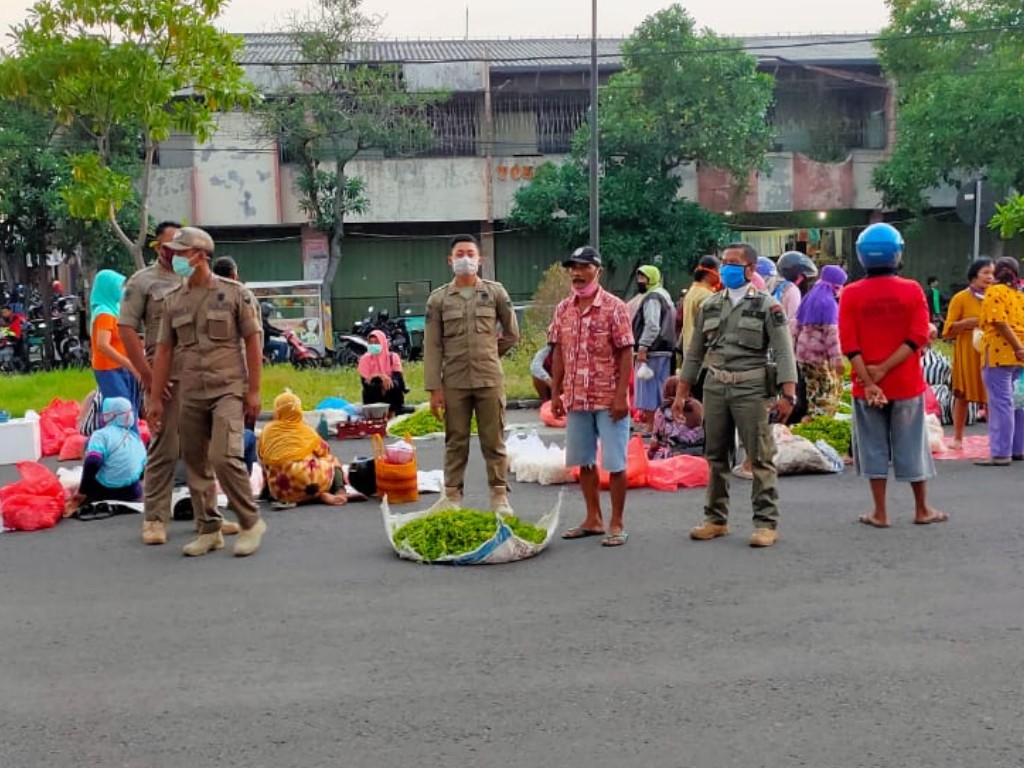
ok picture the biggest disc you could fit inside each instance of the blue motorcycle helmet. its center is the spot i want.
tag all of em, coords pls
(880, 246)
(766, 267)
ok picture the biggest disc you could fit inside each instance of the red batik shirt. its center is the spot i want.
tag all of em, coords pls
(588, 342)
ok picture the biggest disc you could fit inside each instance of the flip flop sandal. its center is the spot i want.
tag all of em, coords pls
(614, 539)
(578, 532)
(992, 463)
(938, 517)
(869, 520)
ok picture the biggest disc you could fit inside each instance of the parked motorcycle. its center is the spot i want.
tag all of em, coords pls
(300, 355)
(10, 359)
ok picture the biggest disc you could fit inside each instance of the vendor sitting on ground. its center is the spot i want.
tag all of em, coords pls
(671, 438)
(381, 372)
(297, 461)
(114, 459)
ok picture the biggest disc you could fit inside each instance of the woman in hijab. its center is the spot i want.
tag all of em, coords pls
(381, 372)
(962, 318)
(114, 459)
(1002, 356)
(115, 375)
(671, 437)
(816, 345)
(297, 461)
(705, 283)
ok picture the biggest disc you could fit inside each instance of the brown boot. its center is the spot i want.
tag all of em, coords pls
(454, 495)
(227, 528)
(708, 530)
(499, 500)
(249, 541)
(154, 532)
(204, 543)
(763, 537)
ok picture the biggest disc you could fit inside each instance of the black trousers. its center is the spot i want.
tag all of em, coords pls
(373, 392)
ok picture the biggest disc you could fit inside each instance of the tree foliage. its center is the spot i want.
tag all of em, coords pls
(960, 96)
(328, 107)
(684, 97)
(1009, 218)
(107, 68)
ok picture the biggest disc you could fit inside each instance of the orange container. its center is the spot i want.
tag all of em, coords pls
(396, 481)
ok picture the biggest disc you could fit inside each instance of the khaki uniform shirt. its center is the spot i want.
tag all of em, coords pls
(143, 305)
(206, 324)
(462, 347)
(738, 338)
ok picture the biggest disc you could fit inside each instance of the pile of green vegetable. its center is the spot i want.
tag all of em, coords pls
(459, 531)
(421, 423)
(834, 432)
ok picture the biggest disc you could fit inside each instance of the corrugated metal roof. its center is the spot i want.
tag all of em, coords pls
(278, 48)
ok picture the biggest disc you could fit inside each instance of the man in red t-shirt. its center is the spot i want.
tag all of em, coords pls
(883, 326)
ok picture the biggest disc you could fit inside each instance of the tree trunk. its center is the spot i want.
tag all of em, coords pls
(14, 269)
(334, 259)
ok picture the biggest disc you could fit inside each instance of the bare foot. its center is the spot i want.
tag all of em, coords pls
(334, 499)
(875, 521)
(72, 504)
(928, 515)
(956, 445)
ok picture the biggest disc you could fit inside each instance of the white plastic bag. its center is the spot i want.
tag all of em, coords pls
(795, 455)
(644, 372)
(503, 547)
(936, 437)
(531, 461)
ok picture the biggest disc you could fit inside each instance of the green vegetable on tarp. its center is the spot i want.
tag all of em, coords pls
(421, 423)
(834, 432)
(459, 531)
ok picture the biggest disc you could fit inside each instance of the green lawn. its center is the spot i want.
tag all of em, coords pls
(19, 393)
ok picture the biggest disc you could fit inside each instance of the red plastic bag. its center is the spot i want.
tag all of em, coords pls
(931, 403)
(548, 418)
(636, 465)
(685, 471)
(73, 448)
(34, 502)
(57, 422)
(144, 433)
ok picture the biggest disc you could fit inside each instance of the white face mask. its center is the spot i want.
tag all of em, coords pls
(466, 265)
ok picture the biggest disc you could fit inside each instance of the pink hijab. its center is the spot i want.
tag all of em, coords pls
(384, 364)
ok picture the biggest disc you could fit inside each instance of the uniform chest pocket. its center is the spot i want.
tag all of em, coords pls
(486, 319)
(453, 321)
(751, 333)
(711, 327)
(218, 324)
(184, 329)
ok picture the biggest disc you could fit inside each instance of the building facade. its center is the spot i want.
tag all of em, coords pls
(513, 106)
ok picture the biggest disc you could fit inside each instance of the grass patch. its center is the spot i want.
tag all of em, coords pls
(36, 390)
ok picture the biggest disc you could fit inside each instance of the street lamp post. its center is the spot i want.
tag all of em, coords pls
(595, 179)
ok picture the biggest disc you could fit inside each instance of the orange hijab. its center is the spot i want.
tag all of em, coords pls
(287, 438)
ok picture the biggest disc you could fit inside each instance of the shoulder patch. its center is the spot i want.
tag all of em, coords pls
(778, 316)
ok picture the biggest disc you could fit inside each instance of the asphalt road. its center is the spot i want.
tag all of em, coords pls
(842, 646)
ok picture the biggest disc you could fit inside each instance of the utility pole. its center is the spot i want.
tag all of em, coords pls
(595, 179)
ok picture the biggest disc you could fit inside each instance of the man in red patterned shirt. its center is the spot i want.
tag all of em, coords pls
(592, 357)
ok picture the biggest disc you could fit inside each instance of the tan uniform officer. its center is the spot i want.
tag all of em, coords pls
(219, 382)
(734, 332)
(462, 370)
(141, 309)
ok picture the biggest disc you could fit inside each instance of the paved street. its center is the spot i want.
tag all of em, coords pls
(843, 646)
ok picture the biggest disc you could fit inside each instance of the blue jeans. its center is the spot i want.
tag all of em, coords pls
(120, 383)
(583, 430)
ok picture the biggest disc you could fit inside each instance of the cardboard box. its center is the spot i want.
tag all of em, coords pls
(20, 441)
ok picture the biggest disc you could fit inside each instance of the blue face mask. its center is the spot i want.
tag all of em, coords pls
(181, 266)
(733, 275)
(374, 349)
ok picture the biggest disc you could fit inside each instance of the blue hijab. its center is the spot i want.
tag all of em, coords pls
(123, 454)
(105, 298)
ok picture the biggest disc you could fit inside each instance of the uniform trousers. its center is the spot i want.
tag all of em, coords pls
(488, 403)
(743, 408)
(213, 444)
